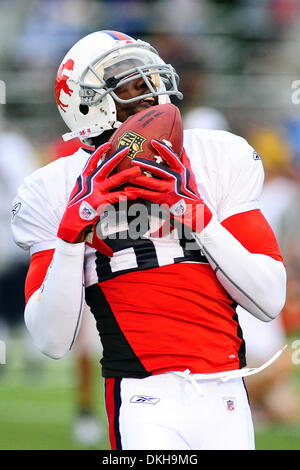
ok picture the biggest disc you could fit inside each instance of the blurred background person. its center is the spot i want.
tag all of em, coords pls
(18, 159)
(88, 429)
(273, 391)
(203, 117)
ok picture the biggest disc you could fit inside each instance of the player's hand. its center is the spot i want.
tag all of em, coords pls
(175, 188)
(93, 192)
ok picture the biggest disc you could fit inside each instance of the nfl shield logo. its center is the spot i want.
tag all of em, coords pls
(132, 140)
(178, 208)
(230, 405)
(85, 213)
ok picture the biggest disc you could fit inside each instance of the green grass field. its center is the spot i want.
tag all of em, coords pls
(37, 409)
(38, 403)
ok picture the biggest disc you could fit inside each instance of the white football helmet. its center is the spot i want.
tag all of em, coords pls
(94, 68)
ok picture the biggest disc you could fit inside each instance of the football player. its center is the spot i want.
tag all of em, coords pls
(165, 304)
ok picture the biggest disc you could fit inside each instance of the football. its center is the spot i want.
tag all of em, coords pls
(162, 122)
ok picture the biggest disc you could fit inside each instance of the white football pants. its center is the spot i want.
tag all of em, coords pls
(172, 412)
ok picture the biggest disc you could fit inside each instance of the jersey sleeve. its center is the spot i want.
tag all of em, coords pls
(38, 208)
(241, 180)
(254, 232)
(39, 264)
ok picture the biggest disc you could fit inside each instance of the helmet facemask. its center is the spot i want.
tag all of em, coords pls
(125, 63)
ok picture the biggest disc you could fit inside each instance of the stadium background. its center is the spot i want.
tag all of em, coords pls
(240, 69)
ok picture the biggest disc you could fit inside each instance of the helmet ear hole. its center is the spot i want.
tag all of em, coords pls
(84, 109)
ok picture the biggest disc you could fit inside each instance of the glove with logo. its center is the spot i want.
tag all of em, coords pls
(91, 196)
(175, 188)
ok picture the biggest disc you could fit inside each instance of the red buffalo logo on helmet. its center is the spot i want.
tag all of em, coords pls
(61, 83)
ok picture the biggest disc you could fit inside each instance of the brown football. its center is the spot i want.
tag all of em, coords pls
(162, 122)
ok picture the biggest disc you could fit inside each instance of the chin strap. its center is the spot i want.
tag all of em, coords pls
(89, 132)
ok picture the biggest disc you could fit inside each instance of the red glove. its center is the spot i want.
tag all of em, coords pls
(176, 190)
(91, 196)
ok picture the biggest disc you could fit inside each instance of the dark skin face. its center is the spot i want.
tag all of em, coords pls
(131, 90)
(124, 110)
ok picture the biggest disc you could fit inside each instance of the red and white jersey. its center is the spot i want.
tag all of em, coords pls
(157, 303)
